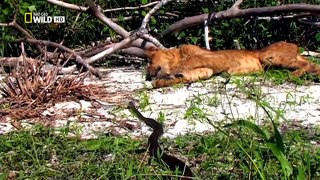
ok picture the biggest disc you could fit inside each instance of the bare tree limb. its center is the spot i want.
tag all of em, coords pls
(234, 12)
(146, 20)
(122, 19)
(96, 12)
(133, 51)
(308, 22)
(117, 46)
(129, 39)
(152, 11)
(237, 4)
(93, 51)
(83, 9)
(288, 8)
(206, 34)
(310, 53)
(131, 8)
(292, 16)
(14, 61)
(139, 42)
(68, 5)
(50, 55)
(78, 58)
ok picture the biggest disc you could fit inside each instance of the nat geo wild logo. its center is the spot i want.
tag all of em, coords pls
(42, 18)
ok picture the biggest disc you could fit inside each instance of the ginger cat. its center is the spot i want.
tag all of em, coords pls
(190, 63)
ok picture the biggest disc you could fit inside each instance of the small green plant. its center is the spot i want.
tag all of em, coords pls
(144, 100)
(291, 99)
(248, 86)
(304, 99)
(76, 129)
(213, 101)
(194, 109)
(161, 117)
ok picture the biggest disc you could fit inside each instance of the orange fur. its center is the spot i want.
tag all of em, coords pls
(190, 63)
(286, 55)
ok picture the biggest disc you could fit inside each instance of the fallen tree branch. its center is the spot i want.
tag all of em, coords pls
(152, 11)
(117, 46)
(206, 34)
(78, 58)
(129, 40)
(311, 53)
(68, 5)
(11, 62)
(96, 12)
(131, 8)
(308, 22)
(83, 9)
(235, 12)
(14, 61)
(292, 16)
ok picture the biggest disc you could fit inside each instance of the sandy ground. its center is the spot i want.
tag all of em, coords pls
(211, 98)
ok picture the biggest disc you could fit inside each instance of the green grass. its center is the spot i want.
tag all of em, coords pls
(280, 76)
(144, 100)
(41, 154)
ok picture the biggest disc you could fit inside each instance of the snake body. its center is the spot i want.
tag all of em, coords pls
(155, 150)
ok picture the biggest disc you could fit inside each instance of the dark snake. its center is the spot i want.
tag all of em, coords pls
(155, 151)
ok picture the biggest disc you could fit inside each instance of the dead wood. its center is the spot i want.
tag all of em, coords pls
(77, 57)
(236, 12)
(12, 62)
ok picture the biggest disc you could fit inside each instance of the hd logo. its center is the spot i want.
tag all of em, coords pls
(42, 18)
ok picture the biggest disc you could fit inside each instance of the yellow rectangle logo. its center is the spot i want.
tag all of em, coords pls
(28, 17)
